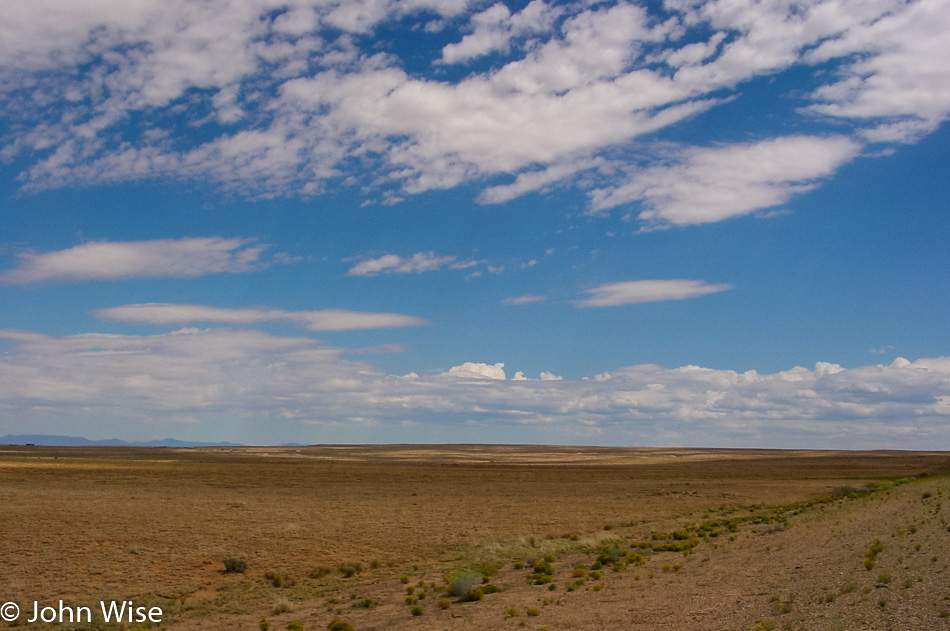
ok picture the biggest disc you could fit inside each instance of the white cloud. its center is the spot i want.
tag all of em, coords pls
(305, 107)
(166, 258)
(896, 71)
(319, 320)
(475, 370)
(395, 264)
(494, 28)
(524, 300)
(229, 380)
(639, 291)
(712, 184)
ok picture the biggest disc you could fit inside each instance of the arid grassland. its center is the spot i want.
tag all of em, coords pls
(481, 537)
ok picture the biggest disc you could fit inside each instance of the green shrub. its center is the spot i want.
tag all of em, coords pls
(294, 626)
(417, 611)
(340, 625)
(445, 603)
(263, 625)
(463, 584)
(234, 566)
(511, 612)
(533, 611)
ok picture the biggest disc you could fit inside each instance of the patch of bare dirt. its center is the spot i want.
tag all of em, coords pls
(155, 525)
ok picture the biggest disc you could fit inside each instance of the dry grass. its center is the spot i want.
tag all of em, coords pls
(83, 523)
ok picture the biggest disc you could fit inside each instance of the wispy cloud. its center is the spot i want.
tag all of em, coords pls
(706, 185)
(495, 27)
(161, 258)
(319, 320)
(893, 76)
(524, 300)
(415, 264)
(638, 291)
(579, 84)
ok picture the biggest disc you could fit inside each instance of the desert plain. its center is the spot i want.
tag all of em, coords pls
(557, 537)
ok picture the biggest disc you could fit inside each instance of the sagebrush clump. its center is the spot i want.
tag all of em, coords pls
(463, 585)
(234, 566)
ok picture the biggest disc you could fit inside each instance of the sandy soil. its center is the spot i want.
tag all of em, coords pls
(154, 525)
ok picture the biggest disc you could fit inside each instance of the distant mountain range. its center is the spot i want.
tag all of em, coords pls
(73, 441)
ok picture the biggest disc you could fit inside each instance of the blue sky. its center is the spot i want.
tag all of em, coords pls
(716, 223)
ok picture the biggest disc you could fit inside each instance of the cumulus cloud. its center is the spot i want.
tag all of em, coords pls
(475, 370)
(217, 376)
(638, 291)
(319, 320)
(165, 258)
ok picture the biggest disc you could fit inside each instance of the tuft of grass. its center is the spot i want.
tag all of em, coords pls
(279, 580)
(281, 605)
(533, 611)
(445, 603)
(511, 612)
(417, 611)
(340, 625)
(319, 572)
(348, 570)
(295, 626)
